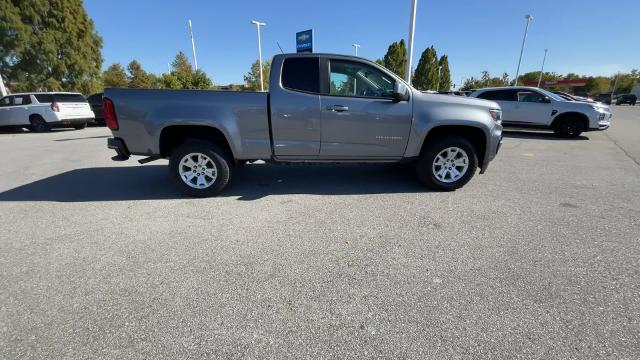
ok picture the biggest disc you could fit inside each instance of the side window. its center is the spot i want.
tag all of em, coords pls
(352, 78)
(531, 96)
(44, 98)
(302, 74)
(499, 95)
(6, 101)
(22, 100)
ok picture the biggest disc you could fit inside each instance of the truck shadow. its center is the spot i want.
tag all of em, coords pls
(250, 182)
(537, 135)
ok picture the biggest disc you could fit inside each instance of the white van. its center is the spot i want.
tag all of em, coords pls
(45, 110)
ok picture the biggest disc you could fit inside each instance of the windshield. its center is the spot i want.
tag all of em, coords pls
(551, 95)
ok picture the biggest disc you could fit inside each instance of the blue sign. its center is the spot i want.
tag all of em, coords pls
(304, 41)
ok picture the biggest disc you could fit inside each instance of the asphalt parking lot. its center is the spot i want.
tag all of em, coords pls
(537, 258)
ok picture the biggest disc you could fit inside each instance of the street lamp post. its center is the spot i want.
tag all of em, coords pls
(355, 47)
(529, 18)
(3, 91)
(438, 84)
(193, 47)
(542, 69)
(412, 27)
(258, 24)
(615, 85)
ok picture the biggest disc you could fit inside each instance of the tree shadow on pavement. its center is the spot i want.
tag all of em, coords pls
(250, 182)
(537, 135)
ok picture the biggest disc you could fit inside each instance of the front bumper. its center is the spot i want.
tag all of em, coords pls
(120, 147)
(493, 146)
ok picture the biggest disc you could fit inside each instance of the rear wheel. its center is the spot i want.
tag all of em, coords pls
(80, 126)
(447, 164)
(568, 127)
(38, 124)
(200, 169)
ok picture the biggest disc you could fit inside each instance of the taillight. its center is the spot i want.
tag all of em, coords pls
(55, 107)
(109, 114)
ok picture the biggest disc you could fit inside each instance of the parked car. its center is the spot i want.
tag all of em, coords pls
(627, 99)
(95, 101)
(45, 110)
(320, 108)
(605, 98)
(538, 108)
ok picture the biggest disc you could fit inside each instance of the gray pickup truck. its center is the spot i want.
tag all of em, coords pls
(319, 108)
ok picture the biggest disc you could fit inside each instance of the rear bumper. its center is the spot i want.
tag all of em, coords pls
(69, 122)
(120, 147)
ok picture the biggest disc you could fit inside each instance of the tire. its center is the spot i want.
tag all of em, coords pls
(441, 177)
(80, 126)
(38, 124)
(201, 183)
(568, 128)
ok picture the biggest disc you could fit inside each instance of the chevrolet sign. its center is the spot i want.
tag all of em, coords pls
(304, 41)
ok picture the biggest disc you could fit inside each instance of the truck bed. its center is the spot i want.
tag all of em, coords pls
(241, 116)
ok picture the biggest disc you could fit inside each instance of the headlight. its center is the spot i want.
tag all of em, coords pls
(496, 115)
(597, 108)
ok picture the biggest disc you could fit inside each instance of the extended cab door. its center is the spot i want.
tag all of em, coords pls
(294, 99)
(360, 119)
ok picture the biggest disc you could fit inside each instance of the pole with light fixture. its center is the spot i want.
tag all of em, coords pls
(258, 24)
(412, 28)
(193, 47)
(542, 69)
(355, 47)
(529, 18)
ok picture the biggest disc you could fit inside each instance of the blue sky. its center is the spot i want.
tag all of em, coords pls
(583, 36)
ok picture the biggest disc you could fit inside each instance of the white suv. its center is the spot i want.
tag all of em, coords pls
(43, 111)
(538, 108)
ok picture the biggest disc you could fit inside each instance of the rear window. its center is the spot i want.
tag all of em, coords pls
(44, 98)
(69, 98)
(302, 74)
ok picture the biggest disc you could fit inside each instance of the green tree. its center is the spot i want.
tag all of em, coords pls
(49, 45)
(445, 73)
(396, 58)
(115, 76)
(426, 74)
(252, 78)
(598, 84)
(138, 78)
(182, 75)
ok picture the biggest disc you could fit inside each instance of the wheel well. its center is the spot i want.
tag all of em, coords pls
(572, 115)
(474, 135)
(173, 136)
(35, 116)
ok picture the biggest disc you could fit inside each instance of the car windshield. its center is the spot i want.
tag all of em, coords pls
(551, 95)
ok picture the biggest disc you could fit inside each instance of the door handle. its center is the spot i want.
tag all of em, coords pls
(338, 108)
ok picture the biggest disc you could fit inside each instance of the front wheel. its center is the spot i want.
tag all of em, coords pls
(447, 164)
(568, 128)
(200, 169)
(80, 126)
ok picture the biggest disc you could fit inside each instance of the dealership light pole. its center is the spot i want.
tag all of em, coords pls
(615, 84)
(412, 28)
(542, 69)
(355, 47)
(258, 24)
(3, 91)
(438, 84)
(529, 18)
(193, 47)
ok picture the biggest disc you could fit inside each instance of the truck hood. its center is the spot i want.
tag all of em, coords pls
(420, 96)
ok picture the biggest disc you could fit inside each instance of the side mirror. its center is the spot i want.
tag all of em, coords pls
(400, 92)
